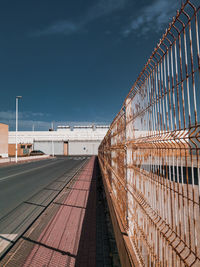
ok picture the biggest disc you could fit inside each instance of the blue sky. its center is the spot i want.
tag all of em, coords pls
(74, 62)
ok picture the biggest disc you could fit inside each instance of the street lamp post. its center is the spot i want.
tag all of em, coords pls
(52, 141)
(17, 98)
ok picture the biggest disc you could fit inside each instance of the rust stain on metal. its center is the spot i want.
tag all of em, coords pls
(150, 157)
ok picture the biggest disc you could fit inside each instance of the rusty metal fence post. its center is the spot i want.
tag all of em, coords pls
(150, 157)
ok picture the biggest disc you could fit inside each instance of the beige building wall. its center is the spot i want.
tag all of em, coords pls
(22, 149)
(3, 140)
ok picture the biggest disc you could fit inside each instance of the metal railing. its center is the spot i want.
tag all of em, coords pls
(150, 157)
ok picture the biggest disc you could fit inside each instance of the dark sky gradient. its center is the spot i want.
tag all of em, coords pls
(74, 61)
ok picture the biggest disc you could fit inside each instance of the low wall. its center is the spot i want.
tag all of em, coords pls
(8, 160)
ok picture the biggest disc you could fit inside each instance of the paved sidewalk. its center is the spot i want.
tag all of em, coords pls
(66, 234)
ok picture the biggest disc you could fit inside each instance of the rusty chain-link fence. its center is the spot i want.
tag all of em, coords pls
(150, 157)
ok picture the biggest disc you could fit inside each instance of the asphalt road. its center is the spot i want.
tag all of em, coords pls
(19, 182)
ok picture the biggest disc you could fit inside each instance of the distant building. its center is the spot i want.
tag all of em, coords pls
(3, 140)
(66, 140)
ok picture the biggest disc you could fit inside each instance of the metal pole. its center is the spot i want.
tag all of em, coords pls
(16, 141)
(16, 129)
(52, 141)
(52, 148)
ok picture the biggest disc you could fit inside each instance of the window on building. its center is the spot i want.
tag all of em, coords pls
(22, 146)
(29, 146)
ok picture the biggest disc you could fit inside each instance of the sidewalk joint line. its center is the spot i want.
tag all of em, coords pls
(7, 239)
(35, 204)
(79, 189)
(51, 189)
(73, 206)
(49, 247)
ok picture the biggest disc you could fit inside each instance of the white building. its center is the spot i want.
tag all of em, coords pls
(66, 140)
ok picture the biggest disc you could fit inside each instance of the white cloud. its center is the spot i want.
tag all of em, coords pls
(7, 115)
(11, 115)
(61, 27)
(153, 17)
(30, 114)
(104, 8)
(100, 9)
